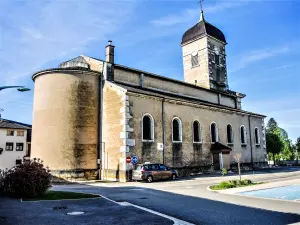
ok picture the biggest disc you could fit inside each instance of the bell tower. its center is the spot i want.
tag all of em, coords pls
(204, 58)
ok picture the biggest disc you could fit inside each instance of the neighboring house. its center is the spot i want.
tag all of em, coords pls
(15, 143)
(90, 114)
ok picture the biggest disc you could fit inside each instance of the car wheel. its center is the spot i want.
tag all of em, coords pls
(173, 176)
(149, 179)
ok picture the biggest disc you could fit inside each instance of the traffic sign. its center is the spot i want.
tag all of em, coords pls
(134, 160)
(128, 159)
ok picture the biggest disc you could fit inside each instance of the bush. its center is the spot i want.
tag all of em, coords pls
(224, 172)
(226, 184)
(29, 179)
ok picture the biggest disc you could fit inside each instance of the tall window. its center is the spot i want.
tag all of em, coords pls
(217, 59)
(177, 130)
(196, 132)
(148, 128)
(257, 138)
(195, 60)
(229, 134)
(243, 135)
(214, 133)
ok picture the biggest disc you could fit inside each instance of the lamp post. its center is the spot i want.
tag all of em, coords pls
(19, 88)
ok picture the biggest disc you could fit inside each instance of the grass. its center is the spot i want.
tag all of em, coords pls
(233, 184)
(59, 195)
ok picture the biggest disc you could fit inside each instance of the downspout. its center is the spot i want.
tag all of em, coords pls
(100, 111)
(163, 127)
(251, 147)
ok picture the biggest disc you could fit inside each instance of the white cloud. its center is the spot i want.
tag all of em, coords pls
(191, 13)
(258, 55)
(34, 33)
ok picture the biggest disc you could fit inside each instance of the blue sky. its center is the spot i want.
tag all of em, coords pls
(263, 51)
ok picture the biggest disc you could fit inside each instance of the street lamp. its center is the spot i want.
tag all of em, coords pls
(19, 88)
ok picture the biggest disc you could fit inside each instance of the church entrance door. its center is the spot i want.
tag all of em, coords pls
(216, 161)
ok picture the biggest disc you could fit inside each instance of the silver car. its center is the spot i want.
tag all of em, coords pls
(153, 171)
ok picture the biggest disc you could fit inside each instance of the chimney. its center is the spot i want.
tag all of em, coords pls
(110, 53)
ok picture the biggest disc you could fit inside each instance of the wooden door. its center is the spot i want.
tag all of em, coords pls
(216, 161)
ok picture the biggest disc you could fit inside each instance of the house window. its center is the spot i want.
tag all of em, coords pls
(257, 139)
(148, 128)
(229, 134)
(18, 161)
(195, 61)
(20, 132)
(214, 133)
(19, 146)
(10, 133)
(243, 135)
(196, 132)
(9, 146)
(176, 130)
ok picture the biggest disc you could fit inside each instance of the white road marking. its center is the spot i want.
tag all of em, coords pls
(176, 221)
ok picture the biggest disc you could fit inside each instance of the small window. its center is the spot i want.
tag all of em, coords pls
(148, 128)
(18, 161)
(177, 130)
(257, 138)
(243, 135)
(162, 167)
(196, 132)
(10, 133)
(19, 146)
(214, 133)
(9, 146)
(20, 132)
(229, 134)
(195, 61)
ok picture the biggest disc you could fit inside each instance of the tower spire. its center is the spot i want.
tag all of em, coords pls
(201, 10)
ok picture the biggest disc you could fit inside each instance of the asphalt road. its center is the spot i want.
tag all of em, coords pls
(189, 200)
(96, 211)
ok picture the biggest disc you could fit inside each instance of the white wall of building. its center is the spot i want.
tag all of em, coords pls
(8, 158)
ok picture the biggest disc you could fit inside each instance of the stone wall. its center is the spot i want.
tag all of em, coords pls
(188, 153)
(114, 133)
(151, 82)
(65, 119)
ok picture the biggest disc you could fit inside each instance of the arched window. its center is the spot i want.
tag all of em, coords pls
(214, 133)
(257, 138)
(148, 128)
(196, 132)
(243, 135)
(176, 130)
(229, 134)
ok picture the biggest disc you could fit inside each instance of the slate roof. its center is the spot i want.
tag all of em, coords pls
(13, 124)
(201, 29)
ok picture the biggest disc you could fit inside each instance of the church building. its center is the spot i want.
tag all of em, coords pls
(89, 114)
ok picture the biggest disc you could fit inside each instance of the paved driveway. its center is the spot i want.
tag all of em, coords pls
(189, 200)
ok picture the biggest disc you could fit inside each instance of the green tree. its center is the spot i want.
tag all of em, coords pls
(287, 152)
(275, 138)
(274, 144)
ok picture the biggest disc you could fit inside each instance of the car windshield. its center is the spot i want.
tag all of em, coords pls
(138, 168)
